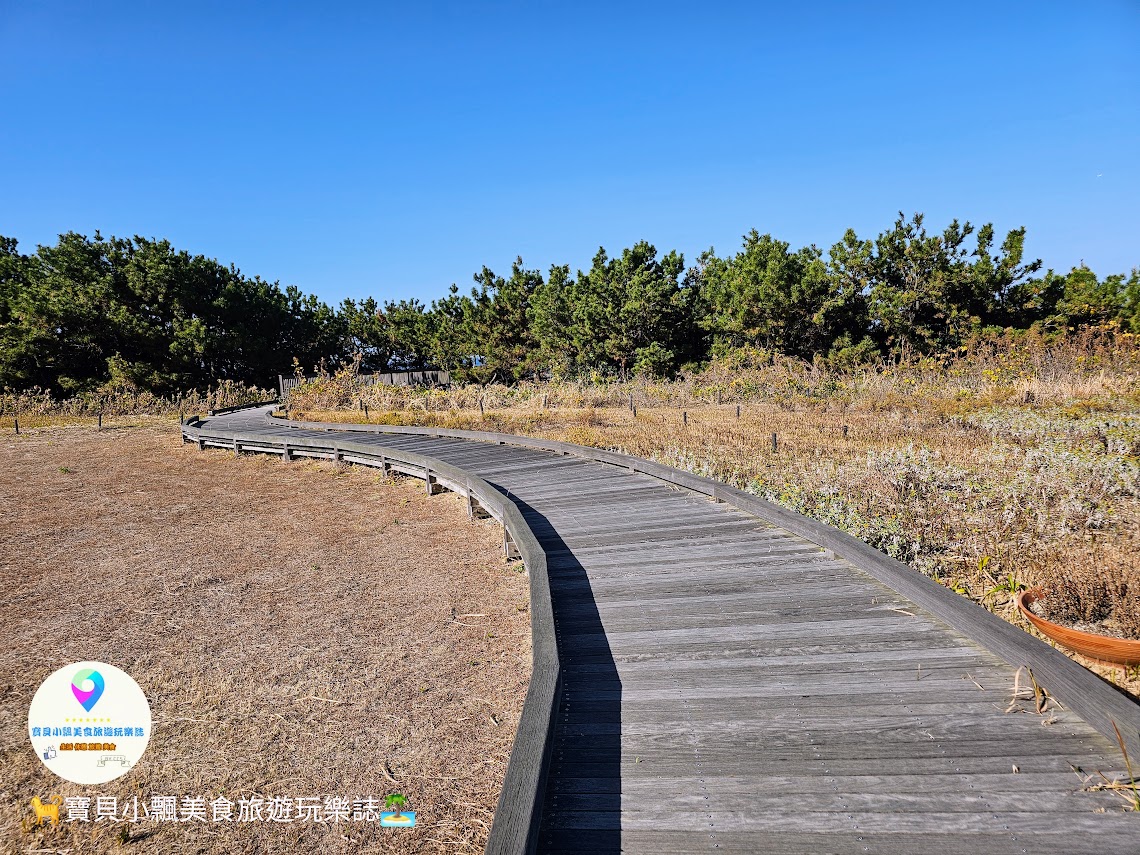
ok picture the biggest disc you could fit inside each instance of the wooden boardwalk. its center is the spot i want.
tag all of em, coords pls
(726, 685)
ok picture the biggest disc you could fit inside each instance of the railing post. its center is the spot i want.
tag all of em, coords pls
(237, 448)
(428, 480)
(286, 452)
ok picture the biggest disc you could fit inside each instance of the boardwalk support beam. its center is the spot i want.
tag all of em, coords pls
(509, 549)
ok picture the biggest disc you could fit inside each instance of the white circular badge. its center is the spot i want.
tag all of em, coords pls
(89, 722)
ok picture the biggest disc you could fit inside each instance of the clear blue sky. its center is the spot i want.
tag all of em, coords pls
(391, 150)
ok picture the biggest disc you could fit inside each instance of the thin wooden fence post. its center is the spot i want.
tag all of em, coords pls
(100, 424)
(773, 443)
(631, 406)
(366, 416)
(634, 408)
(738, 410)
(482, 412)
(845, 431)
(685, 417)
(17, 421)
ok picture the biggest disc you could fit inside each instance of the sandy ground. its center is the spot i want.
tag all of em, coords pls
(300, 630)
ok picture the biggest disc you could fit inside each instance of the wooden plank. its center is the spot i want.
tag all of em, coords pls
(685, 799)
(1077, 825)
(676, 766)
(673, 841)
(744, 754)
(935, 782)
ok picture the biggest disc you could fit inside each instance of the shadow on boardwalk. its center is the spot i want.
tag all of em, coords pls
(582, 810)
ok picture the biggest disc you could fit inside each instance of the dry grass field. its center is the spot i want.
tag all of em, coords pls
(299, 630)
(990, 473)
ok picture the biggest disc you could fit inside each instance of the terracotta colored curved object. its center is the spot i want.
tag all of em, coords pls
(1112, 651)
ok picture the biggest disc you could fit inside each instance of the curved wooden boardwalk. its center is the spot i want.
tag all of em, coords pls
(723, 684)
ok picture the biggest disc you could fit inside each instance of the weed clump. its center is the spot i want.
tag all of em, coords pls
(1105, 599)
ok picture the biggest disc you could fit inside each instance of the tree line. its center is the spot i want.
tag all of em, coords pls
(92, 311)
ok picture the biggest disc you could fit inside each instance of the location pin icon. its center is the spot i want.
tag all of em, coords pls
(87, 697)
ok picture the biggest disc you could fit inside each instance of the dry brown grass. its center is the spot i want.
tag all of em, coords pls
(38, 406)
(299, 630)
(986, 476)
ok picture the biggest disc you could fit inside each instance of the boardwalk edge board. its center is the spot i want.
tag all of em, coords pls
(221, 411)
(1077, 688)
(519, 812)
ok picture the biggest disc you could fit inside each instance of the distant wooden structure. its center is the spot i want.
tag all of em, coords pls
(712, 672)
(286, 384)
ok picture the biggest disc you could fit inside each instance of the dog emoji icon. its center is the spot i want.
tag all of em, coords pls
(49, 811)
